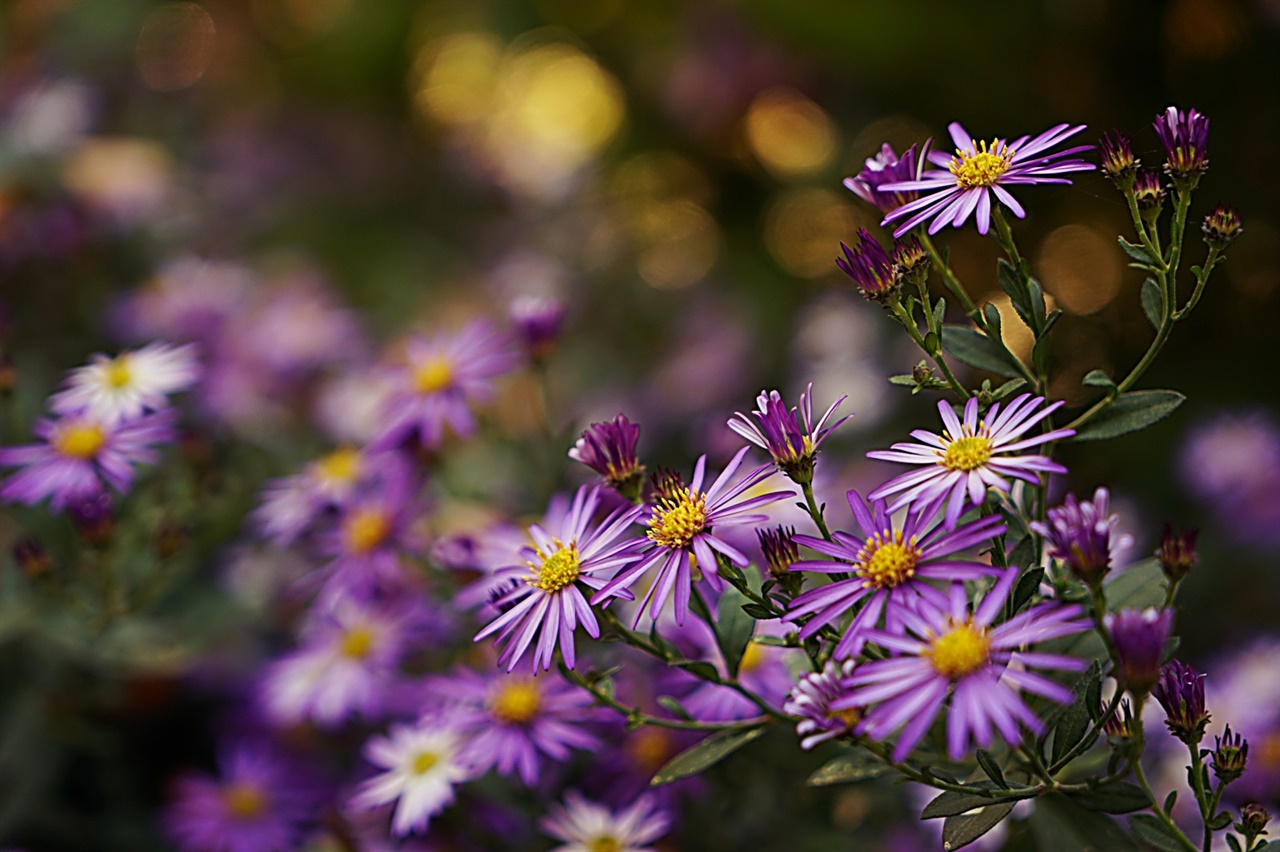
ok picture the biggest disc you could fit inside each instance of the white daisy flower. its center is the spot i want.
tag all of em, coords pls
(589, 827)
(422, 766)
(130, 384)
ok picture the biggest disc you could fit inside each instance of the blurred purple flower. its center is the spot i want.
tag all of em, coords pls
(886, 167)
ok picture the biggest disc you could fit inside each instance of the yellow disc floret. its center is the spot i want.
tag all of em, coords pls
(607, 843)
(423, 761)
(116, 372)
(366, 529)
(433, 375)
(967, 453)
(558, 569)
(516, 702)
(79, 441)
(244, 801)
(887, 563)
(340, 466)
(678, 518)
(960, 651)
(982, 166)
(357, 643)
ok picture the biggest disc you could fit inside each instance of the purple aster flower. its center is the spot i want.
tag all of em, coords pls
(420, 767)
(884, 168)
(976, 171)
(1180, 691)
(130, 384)
(609, 448)
(1079, 533)
(514, 722)
(1149, 194)
(586, 826)
(1185, 137)
(443, 377)
(547, 597)
(890, 570)
(538, 322)
(80, 453)
(949, 650)
(682, 525)
(870, 267)
(970, 456)
(1222, 226)
(811, 699)
(1118, 162)
(789, 436)
(1138, 637)
(258, 805)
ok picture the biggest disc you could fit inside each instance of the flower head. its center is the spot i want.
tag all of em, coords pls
(948, 650)
(420, 766)
(1185, 136)
(80, 456)
(870, 267)
(547, 597)
(1138, 637)
(971, 455)
(1149, 194)
(1222, 227)
(1118, 162)
(1177, 553)
(683, 524)
(889, 569)
(609, 448)
(1079, 533)
(1180, 692)
(588, 827)
(811, 699)
(126, 386)
(886, 167)
(789, 436)
(538, 322)
(977, 171)
(1230, 756)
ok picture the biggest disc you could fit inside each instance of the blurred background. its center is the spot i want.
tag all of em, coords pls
(341, 171)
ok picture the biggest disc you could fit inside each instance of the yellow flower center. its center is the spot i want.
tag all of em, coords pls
(423, 762)
(558, 570)
(356, 643)
(678, 518)
(117, 374)
(516, 702)
(967, 453)
(433, 375)
(366, 529)
(604, 844)
(244, 801)
(341, 465)
(886, 564)
(752, 658)
(983, 166)
(79, 441)
(960, 651)
(849, 717)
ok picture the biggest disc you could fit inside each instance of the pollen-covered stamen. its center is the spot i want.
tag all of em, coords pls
(341, 465)
(886, 563)
(433, 375)
(981, 166)
(963, 649)
(79, 441)
(357, 643)
(967, 453)
(516, 702)
(423, 761)
(244, 801)
(117, 373)
(557, 570)
(607, 843)
(678, 518)
(365, 529)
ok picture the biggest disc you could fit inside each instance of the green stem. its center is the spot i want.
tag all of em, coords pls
(1140, 227)
(1087, 740)
(1156, 807)
(1210, 261)
(814, 511)
(909, 323)
(949, 278)
(637, 717)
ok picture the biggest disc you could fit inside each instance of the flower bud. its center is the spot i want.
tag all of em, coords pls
(1184, 135)
(93, 519)
(609, 448)
(910, 262)
(1222, 227)
(1079, 534)
(1253, 822)
(1177, 553)
(1149, 194)
(1120, 725)
(538, 322)
(922, 373)
(780, 552)
(1118, 162)
(1230, 756)
(1180, 691)
(870, 268)
(1138, 638)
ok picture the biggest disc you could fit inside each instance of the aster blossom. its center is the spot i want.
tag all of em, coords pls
(1180, 691)
(420, 766)
(810, 700)
(884, 168)
(789, 436)
(889, 569)
(950, 650)
(609, 448)
(971, 455)
(130, 384)
(968, 179)
(1185, 137)
(1079, 533)
(80, 455)
(546, 600)
(585, 826)
(682, 527)
(1138, 637)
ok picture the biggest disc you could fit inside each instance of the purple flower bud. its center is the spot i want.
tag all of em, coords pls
(1184, 135)
(1149, 193)
(1180, 691)
(789, 435)
(1177, 553)
(1222, 227)
(1253, 822)
(870, 267)
(1079, 533)
(1118, 162)
(609, 448)
(539, 322)
(1120, 724)
(1230, 756)
(1138, 637)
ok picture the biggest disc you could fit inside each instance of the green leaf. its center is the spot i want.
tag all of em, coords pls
(1098, 379)
(1036, 293)
(1060, 825)
(771, 641)
(1273, 846)
(1220, 822)
(1086, 695)
(952, 803)
(1026, 586)
(992, 315)
(1233, 843)
(1152, 831)
(963, 829)
(1130, 412)
(992, 769)
(707, 753)
(939, 312)
(673, 706)
(972, 347)
(931, 344)
(698, 669)
(1008, 389)
(756, 611)
(1153, 302)
(1119, 798)
(1050, 321)
(1011, 284)
(1170, 800)
(906, 380)
(848, 768)
(1137, 252)
(733, 628)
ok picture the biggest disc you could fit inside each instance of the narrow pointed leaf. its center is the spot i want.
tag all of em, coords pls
(1130, 412)
(705, 754)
